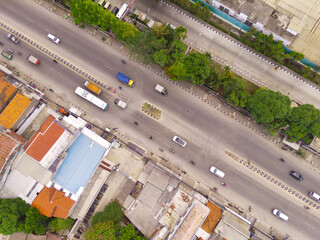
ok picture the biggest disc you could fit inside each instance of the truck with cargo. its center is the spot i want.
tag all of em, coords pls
(125, 79)
(94, 88)
(161, 90)
(33, 59)
(120, 103)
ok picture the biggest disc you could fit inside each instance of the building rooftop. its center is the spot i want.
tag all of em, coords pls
(14, 110)
(9, 141)
(79, 165)
(53, 203)
(43, 140)
(6, 91)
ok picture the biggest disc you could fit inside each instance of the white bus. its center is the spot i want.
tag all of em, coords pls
(91, 98)
(122, 10)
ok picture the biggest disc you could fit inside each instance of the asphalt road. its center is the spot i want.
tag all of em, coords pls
(207, 132)
(245, 62)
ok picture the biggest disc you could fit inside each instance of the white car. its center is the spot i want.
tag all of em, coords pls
(217, 172)
(179, 141)
(53, 38)
(280, 214)
(13, 38)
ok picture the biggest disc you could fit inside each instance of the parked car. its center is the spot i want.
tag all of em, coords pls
(179, 141)
(217, 172)
(13, 38)
(315, 196)
(280, 214)
(115, 10)
(53, 38)
(296, 175)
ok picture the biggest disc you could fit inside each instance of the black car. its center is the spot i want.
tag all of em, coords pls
(296, 175)
(115, 10)
(13, 38)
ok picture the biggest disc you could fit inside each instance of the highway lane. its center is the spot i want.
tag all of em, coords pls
(206, 130)
(232, 54)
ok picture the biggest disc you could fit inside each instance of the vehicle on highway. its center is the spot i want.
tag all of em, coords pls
(161, 89)
(53, 38)
(280, 214)
(120, 103)
(179, 141)
(216, 172)
(94, 88)
(6, 55)
(315, 196)
(91, 98)
(125, 79)
(296, 175)
(33, 60)
(13, 38)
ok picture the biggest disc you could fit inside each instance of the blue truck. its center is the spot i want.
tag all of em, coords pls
(125, 79)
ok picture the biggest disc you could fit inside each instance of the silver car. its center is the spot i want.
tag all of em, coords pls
(179, 141)
(53, 38)
(13, 38)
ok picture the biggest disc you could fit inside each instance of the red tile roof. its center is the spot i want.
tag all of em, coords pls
(7, 145)
(42, 141)
(53, 203)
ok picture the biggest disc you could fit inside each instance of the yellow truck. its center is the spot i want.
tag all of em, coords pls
(94, 88)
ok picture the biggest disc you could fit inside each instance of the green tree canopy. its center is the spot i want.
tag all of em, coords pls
(102, 231)
(35, 222)
(304, 121)
(267, 106)
(12, 215)
(197, 67)
(58, 224)
(112, 212)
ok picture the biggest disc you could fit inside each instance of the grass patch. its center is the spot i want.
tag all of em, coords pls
(151, 110)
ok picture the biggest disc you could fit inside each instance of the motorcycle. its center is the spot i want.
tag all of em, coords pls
(121, 88)
(193, 163)
(250, 208)
(171, 150)
(55, 61)
(123, 61)
(150, 137)
(282, 160)
(9, 50)
(224, 184)
(136, 123)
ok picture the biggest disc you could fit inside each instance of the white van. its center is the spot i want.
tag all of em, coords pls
(217, 172)
(120, 103)
(107, 6)
(33, 59)
(280, 214)
(315, 196)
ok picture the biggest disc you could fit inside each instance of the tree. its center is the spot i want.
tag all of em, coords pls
(57, 224)
(127, 233)
(161, 57)
(197, 67)
(294, 56)
(35, 222)
(102, 231)
(177, 71)
(112, 212)
(12, 215)
(304, 123)
(267, 106)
